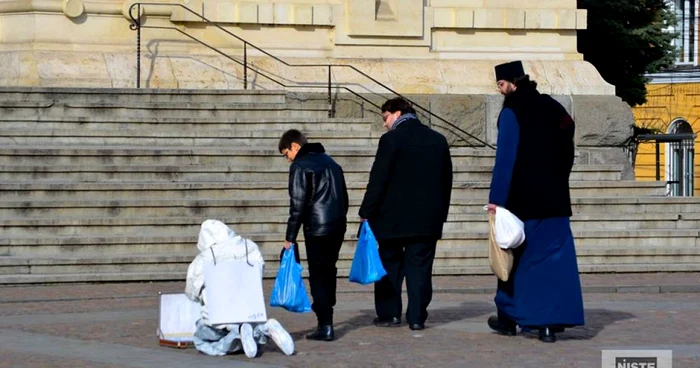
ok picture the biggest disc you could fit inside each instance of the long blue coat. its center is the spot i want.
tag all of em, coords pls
(544, 289)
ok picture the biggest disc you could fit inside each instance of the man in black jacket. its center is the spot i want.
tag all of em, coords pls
(406, 204)
(319, 201)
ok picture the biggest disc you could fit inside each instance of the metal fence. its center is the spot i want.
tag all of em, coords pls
(680, 153)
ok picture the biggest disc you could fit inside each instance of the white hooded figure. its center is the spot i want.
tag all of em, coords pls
(218, 242)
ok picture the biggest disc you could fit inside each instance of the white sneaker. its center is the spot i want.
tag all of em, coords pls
(250, 347)
(280, 336)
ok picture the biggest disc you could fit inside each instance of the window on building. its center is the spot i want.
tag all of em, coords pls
(687, 41)
(680, 160)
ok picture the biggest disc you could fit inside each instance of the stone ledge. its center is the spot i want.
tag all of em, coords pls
(177, 70)
(260, 13)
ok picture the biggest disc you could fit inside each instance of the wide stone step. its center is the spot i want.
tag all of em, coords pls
(442, 271)
(12, 109)
(85, 226)
(262, 190)
(174, 267)
(182, 125)
(212, 173)
(93, 277)
(194, 155)
(472, 255)
(271, 242)
(159, 137)
(269, 273)
(141, 95)
(204, 208)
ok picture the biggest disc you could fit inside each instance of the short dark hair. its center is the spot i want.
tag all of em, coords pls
(398, 104)
(289, 137)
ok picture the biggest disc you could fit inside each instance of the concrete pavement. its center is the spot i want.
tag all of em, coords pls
(114, 325)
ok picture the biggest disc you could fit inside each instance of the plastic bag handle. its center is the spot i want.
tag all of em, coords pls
(361, 229)
(246, 253)
(297, 257)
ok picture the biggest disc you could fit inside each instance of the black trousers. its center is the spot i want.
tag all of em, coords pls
(411, 258)
(322, 255)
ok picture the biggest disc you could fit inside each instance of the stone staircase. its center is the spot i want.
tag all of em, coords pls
(112, 185)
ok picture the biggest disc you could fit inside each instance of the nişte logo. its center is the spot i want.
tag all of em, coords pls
(637, 358)
(636, 362)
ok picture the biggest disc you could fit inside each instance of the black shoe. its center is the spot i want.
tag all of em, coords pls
(322, 333)
(416, 326)
(393, 322)
(547, 335)
(502, 326)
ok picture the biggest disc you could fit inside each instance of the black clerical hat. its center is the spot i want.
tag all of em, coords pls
(510, 71)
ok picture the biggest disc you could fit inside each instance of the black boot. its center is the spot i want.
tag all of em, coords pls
(393, 322)
(502, 325)
(322, 333)
(547, 335)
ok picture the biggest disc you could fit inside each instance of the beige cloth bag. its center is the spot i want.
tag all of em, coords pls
(500, 260)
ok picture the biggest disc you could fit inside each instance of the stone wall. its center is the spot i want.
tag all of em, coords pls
(415, 46)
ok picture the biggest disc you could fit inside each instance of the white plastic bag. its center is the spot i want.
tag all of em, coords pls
(509, 230)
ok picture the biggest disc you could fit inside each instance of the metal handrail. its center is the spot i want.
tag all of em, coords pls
(137, 26)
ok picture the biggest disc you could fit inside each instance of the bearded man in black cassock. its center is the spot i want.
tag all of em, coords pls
(534, 158)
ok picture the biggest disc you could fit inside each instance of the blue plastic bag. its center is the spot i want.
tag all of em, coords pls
(366, 265)
(289, 291)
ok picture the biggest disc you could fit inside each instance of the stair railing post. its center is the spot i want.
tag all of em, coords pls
(331, 113)
(136, 26)
(658, 162)
(138, 47)
(245, 65)
(430, 114)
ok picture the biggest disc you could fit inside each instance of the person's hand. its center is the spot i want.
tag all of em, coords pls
(491, 208)
(287, 244)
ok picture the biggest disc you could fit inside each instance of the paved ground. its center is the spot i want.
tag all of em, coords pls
(114, 325)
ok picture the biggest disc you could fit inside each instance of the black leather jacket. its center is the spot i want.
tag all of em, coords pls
(318, 195)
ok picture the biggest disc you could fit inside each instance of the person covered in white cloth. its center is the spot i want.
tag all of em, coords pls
(218, 242)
